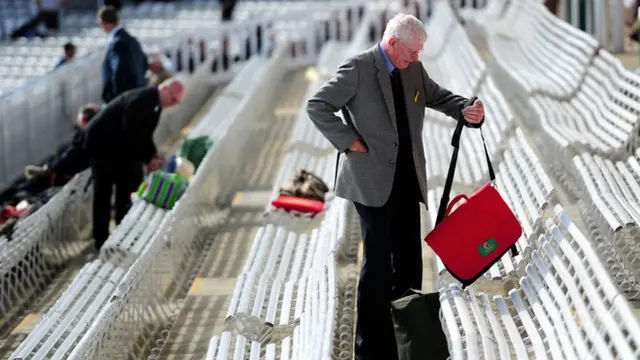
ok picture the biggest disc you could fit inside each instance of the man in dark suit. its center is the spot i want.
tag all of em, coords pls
(72, 160)
(125, 64)
(59, 170)
(118, 142)
(385, 91)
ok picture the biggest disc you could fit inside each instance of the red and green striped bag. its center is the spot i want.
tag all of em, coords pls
(163, 189)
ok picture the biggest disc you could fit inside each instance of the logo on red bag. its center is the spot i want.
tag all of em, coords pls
(487, 247)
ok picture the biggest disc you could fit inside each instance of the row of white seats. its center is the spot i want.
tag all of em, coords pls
(579, 95)
(65, 323)
(303, 154)
(148, 239)
(283, 306)
(438, 128)
(40, 244)
(132, 236)
(458, 68)
(594, 110)
(225, 109)
(565, 306)
(55, 233)
(526, 188)
(286, 294)
(309, 149)
(492, 11)
(612, 195)
(601, 117)
(138, 231)
(305, 136)
(148, 32)
(438, 131)
(541, 52)
(333, 53)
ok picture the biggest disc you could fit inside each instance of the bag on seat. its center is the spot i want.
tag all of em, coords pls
(417, 326)
(195, 149)
(479, 232)
(162, 189)
(303, 192)
(294, 203)
(305, 185)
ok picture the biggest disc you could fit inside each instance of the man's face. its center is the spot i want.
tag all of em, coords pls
(405, 51)
(70, 53)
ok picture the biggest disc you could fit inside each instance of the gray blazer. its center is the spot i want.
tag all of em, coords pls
(363, 86)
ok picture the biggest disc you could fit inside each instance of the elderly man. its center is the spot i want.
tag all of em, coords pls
(118, 141)
(383, 92)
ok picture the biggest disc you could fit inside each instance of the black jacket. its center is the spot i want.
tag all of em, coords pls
(73, 160)
(124, 66)
(123, 130)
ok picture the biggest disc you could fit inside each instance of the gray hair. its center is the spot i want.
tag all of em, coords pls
(405, 27)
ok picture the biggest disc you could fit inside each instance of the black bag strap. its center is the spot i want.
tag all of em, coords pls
(455, 142)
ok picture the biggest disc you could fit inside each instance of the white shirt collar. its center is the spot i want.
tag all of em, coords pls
(113, 32)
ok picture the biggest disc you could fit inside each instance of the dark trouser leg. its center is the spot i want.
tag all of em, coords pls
(406, 246)
(102, 190)
(374, 332)
(129, 178)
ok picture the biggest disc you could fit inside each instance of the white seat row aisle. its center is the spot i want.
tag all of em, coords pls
(565, 307)
(557, 299)
(285, 302)
(309, 149)
(157, 249)
(143, 227)
(285, 299)
(41, 245)
(611, 209)
(582, 106)
(519, 173)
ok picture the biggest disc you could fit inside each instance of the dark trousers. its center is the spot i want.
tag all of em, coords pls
(391, 265)
(125, 178)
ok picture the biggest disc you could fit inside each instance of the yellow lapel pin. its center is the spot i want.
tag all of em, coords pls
(416, 98)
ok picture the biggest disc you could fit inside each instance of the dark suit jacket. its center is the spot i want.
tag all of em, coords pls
(73, 160)
(123, 131)
(124, 66)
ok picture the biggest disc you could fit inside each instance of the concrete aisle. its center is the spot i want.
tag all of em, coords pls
(206, 304)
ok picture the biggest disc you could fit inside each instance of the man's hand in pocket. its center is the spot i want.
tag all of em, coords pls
(358, 146)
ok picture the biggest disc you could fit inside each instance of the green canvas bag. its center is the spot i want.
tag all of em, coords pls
(195, 149)
(163, 189)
